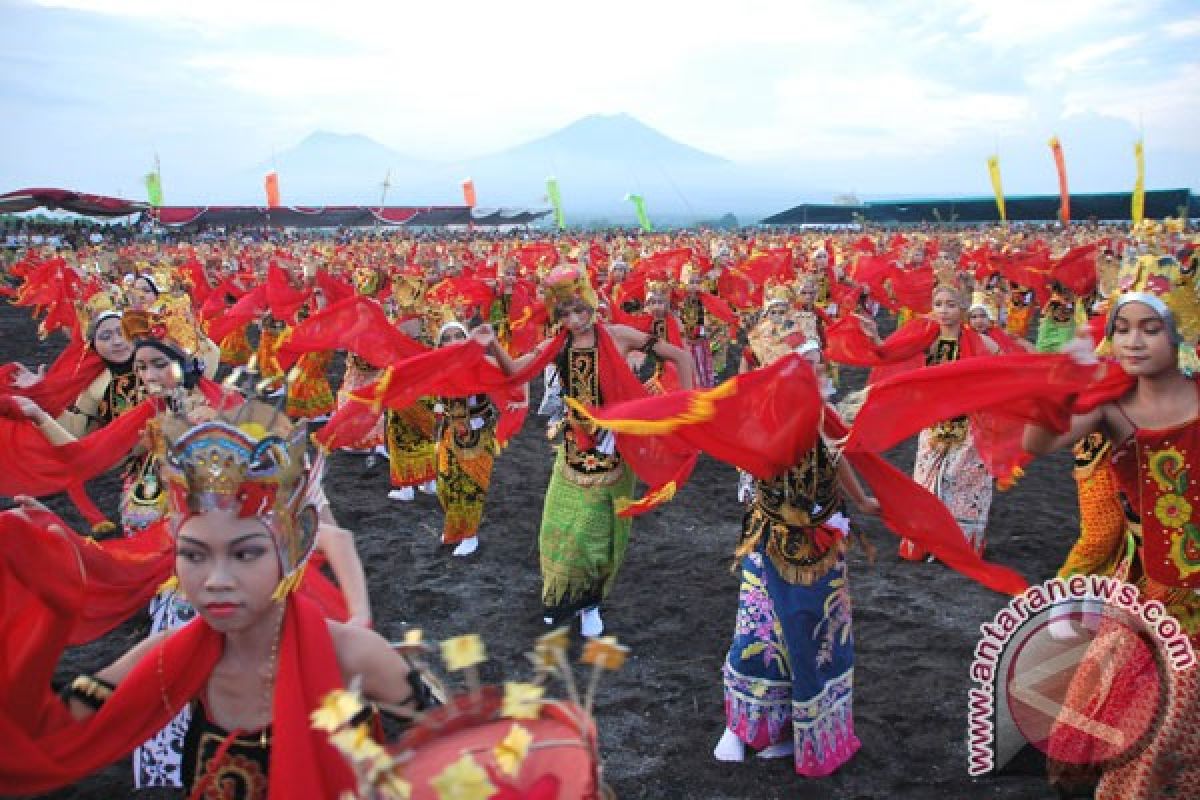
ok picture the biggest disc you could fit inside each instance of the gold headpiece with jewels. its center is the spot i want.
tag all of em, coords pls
(172, 323)
(658, 286)
(775, 293)
(252, 461)
(981, 298)
(565, 283)
(688, 272)
(97, 308)
(1168, 280)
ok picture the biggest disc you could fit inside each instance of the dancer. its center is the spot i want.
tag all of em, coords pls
(254, 666)
(583, 540)
(466, 451)
(947, 462)
(1152, 414)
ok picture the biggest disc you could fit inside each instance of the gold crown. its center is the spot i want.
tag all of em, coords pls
(173, 324)
(566, 283)
(252, 462)
(775, 293)
(1172, 282)
(658, 286)
(987, 301)
(94, 310)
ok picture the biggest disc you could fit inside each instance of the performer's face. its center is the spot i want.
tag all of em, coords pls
(157, 371)
(979, 320)
(576, 316)
(947, 308)
(110, 342)
(142, 294)
(806, 295)
(452, 336)
(1141, 340)
(228, 569)
(656, 305)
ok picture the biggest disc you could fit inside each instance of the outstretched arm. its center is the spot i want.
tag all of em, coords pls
(628, 339)
(1039, 441)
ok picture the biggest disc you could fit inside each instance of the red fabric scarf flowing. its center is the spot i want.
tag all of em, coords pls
(763, 421)
(847, 343)
(358, 325)
(43, 584)
(73, 371)
(462, 369)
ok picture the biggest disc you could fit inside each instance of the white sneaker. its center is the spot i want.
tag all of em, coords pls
(781, 750)
(467, 546)
(381, 451)
(590, 624)
(730, 748)
(428, 487)
(405, 495)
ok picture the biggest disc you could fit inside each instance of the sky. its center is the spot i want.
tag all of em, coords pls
(869, 96)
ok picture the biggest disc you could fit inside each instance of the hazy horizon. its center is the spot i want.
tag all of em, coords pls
(802, 101)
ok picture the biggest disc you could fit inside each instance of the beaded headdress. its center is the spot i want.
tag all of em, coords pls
(567, 283)
(776, 294)
(985, 300)
(173, 323)
(254, 462)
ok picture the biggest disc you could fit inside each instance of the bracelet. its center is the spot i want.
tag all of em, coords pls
(89, 690)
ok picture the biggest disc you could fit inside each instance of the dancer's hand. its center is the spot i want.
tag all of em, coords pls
(24, 377)
(485, 335)
(869, 506)
(1082, 351)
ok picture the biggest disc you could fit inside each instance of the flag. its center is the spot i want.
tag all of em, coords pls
(154, 189)
(1139, 184)
(468, 187)
(1060, 165)
(555, 198)
(153, 181)
(639, 207)
(271, 184)
(993, 163)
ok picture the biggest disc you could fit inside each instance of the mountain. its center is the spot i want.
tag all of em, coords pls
(597, 159)
(611, 137)
(332, 168)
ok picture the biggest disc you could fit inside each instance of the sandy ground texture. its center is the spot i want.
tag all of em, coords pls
(915, 625)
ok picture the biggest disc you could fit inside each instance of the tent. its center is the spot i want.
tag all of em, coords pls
(94, 205)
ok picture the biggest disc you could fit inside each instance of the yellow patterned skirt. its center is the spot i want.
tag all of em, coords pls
(411, 448)
(310, 395)
(463, 477)
(236, 349)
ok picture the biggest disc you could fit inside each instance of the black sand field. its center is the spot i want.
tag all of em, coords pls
(915, 625)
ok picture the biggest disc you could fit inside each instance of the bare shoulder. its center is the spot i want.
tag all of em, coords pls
(115, 672)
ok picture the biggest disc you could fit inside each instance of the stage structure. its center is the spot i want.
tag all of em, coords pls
(1108, 207)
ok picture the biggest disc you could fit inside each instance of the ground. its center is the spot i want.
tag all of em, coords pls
(915, 625)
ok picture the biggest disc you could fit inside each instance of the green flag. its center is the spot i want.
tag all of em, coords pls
(639, 206)
(154, 188)
(555, 198)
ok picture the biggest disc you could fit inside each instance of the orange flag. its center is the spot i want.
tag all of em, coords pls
(1060, 165)
(271, 184)
(469, 192)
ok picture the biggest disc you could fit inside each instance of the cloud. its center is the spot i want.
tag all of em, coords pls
(1182, 29)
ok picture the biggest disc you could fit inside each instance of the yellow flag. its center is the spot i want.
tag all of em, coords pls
(1139, 184)
(994, 171)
